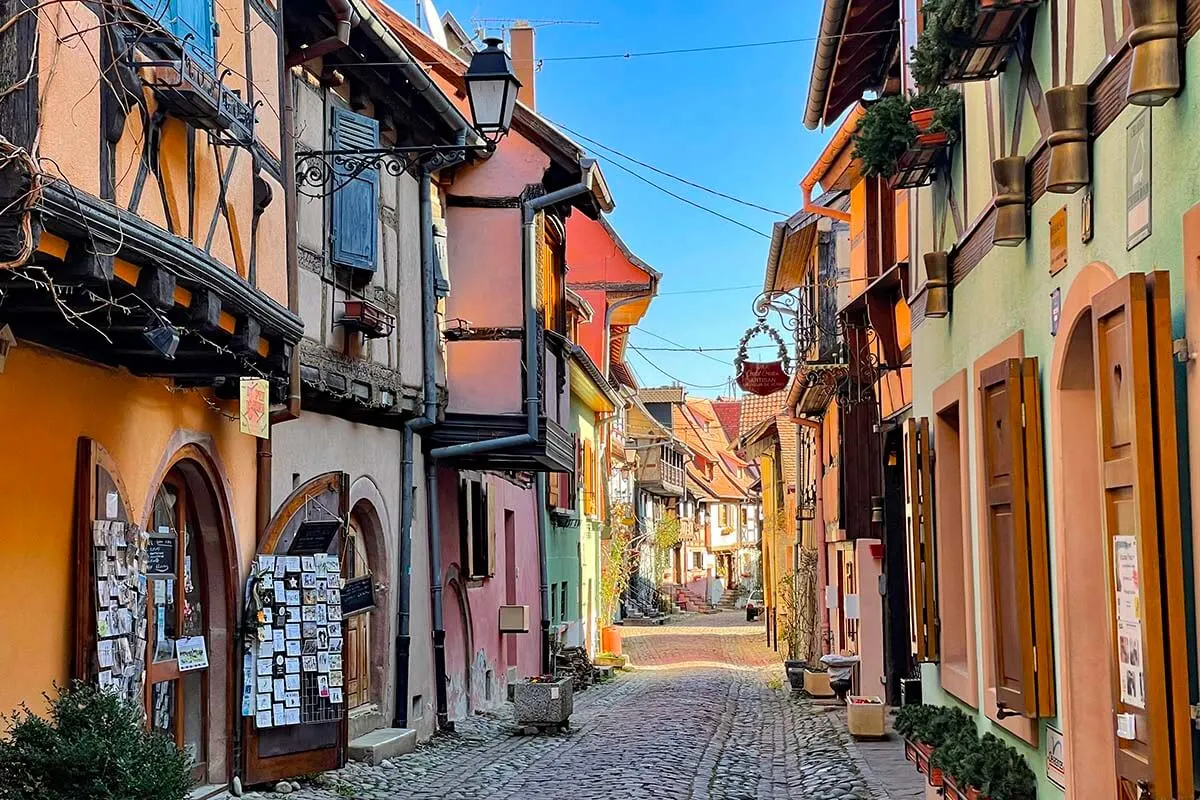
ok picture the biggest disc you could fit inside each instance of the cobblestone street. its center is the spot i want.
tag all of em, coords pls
(705, 715)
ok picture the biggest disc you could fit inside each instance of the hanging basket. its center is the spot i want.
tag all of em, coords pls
(762, 377)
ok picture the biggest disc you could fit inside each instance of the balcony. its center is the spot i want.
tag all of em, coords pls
(554, 450)
(661, 471)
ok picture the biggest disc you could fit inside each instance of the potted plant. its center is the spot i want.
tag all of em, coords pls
(954, 34)
(615, 554)
(91, 744)
(1003, 773)
(898, 134)
(925, 731)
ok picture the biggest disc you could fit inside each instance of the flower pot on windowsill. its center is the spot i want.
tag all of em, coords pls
(922, 118)
(1154, 68)
(1070, 169)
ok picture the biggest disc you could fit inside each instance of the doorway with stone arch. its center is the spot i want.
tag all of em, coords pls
(194, 707)
(1086, 650)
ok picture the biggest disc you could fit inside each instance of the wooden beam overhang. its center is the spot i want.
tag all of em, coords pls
(554, 450)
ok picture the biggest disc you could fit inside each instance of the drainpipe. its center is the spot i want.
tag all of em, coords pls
(832, 151)
(411, 427)
(529, 212)
(435, 596)
(345, 20)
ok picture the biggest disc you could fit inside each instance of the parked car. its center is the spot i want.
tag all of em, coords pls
(754, 606)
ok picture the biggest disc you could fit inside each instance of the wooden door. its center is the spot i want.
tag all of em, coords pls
(176, 696)
(358, 627)
(1142, 534)
(317, 745)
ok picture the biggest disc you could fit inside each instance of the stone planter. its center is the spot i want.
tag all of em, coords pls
(866, 717)
(1154, 71)
(1010, 201)
(544, 704)
(1070, 169)
(817, 684)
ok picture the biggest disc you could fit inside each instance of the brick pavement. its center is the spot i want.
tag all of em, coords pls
(704, 716)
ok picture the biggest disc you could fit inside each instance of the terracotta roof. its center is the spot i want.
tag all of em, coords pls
(729, 412)
(756, 408)
(695, 422)
(661, 394)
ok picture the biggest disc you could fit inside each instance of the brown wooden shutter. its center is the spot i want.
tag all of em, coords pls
(1142, 534)
(464, 524)
(1016, 537)
(490, 516)
(554, 487)
(922, 564)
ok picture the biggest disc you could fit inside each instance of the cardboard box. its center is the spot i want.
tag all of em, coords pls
(866, 717)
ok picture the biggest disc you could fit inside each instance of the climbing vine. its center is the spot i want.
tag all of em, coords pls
(615, 546)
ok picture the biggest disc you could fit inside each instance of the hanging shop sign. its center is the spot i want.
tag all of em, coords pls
(762, 377)
(255, 407)
(358, 595)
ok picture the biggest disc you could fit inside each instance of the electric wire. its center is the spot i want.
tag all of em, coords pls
(642, 356)
(664, 173)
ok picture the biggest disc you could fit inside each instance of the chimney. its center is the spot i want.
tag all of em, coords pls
(521, 42)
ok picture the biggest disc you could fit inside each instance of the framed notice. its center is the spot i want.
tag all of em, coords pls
(1137, 180)
(1056, 757)
(358, 595)
(1058, 241)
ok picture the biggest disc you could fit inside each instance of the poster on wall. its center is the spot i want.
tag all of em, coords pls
(1137, 180)
(1056, 757)
(1130, 657)
(1127, 581)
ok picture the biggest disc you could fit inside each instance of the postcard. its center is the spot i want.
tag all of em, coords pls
(278, 714)
(263, 703)
(335, 677)
(308, 663)
(322, 613)
(335, 645)
(263, 685)
(192, 653)
(292, 563)
(293, 647)
(308, 580)
(291, 700)
(263, 719)
(310, 614)
(280, 689)
(293, 630)
(307, 564)
(292, 665)
(277, 634)
(323, 662)
(293, 597)
(263, 667)
(104, 653)
(292, 683)
(323, 686)
(335, 695)
(292, 716)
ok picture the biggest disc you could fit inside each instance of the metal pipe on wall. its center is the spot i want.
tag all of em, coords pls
(407, 463)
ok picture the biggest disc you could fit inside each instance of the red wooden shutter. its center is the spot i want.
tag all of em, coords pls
(1142, 533)
(1016, 538)
(922, 565)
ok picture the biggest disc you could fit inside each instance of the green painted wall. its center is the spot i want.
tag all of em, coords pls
(1011, 289)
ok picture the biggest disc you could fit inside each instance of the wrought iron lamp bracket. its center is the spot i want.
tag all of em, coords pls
(323, 172)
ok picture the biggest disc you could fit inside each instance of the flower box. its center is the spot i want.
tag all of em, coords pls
(917, 164)
(366, 317)
(919, 754)
(544, 702)
(816, 684)
(866, 717)
(986, 49)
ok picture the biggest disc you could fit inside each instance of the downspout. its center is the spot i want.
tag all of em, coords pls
(840, 141)
(407, 469)
(345, 19)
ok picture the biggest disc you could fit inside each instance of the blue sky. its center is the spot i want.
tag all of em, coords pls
(731, 120)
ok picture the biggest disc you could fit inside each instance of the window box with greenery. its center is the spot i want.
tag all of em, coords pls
(985, 768)
(91, 745)
(966, 40)
(904, 139)
(926, 729)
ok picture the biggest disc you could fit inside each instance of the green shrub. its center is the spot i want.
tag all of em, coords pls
(884, 134)
(932, 725)
(1006, 775)
(947, 31)
(93, 746)
(947, 105)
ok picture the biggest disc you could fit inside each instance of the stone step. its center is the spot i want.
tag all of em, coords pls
(378, 745)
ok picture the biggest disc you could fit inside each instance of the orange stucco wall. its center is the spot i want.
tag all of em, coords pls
(69, 87)
(46, 403)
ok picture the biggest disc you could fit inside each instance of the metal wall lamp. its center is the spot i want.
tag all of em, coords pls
(491, 86)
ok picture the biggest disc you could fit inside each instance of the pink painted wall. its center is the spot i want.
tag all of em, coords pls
(468, 665)
(484, 249)
(870, 622)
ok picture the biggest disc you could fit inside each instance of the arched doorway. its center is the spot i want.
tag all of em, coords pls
(456, 614)
(357, 564)
(1086, 646)
(189, 631)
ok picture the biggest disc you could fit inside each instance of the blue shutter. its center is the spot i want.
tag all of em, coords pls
(355, 214)
(193, 18)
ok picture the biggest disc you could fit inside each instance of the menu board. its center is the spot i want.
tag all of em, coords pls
(160, 556)
(297, 658)
(358, 595)
(119, 562)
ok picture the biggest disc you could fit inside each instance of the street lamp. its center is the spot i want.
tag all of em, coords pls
(492, 89)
